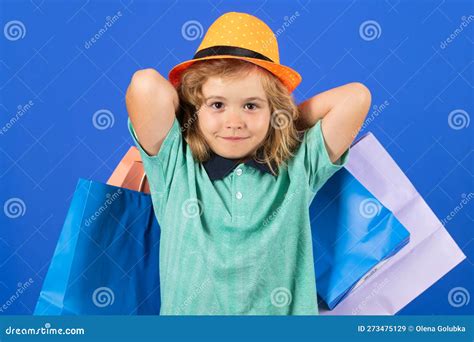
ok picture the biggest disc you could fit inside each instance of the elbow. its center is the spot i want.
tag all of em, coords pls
(143, 81)
(149, 84)
(363, 95)
(362, 91)
(144, 75)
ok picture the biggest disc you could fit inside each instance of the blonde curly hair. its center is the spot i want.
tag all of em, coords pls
(282, 138)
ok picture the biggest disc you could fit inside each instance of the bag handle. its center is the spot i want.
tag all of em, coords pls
(143, 182)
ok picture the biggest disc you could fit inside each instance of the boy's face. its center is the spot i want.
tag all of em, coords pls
(236, 107)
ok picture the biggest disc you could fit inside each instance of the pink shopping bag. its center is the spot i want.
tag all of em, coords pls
(130, 173)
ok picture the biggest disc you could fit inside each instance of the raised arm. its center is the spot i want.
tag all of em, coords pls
(342, 110)
(151, 104)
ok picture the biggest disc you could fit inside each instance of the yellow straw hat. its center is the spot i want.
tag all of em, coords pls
(240, 36)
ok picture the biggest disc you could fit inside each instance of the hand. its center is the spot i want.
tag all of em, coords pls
(342, 111)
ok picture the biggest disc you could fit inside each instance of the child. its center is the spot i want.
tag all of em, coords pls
(233, 165)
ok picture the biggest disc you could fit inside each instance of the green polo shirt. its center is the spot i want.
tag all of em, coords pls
(239, 243)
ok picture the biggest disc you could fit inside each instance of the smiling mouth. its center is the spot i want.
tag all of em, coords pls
(234, 138)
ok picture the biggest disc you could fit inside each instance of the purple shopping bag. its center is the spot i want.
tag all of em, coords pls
(430, 254)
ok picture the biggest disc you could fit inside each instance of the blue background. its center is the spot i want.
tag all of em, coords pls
(54, 143)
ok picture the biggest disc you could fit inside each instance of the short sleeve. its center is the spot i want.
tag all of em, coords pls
(318, 165)
(161, 167)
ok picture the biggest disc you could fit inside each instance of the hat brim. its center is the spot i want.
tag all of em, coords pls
(289, 77)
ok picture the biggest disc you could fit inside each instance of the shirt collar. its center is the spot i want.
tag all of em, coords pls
(218, 167)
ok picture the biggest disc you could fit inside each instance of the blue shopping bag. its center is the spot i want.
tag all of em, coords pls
(106, 260)
(352, 234)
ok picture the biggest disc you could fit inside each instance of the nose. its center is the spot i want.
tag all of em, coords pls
(234, 120)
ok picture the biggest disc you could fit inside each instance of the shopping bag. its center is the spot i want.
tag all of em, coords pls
(130, 173)
(352, 234)
(106, 260)
(430, 253)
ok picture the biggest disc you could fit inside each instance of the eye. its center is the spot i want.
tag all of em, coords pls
(253, 106)
(219, 105)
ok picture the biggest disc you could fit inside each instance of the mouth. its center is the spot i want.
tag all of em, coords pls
(234, 138)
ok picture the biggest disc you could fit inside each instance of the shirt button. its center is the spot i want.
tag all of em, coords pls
(238, 195)
(239, 172)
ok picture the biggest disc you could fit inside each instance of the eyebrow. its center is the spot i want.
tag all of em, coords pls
(254, 98)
